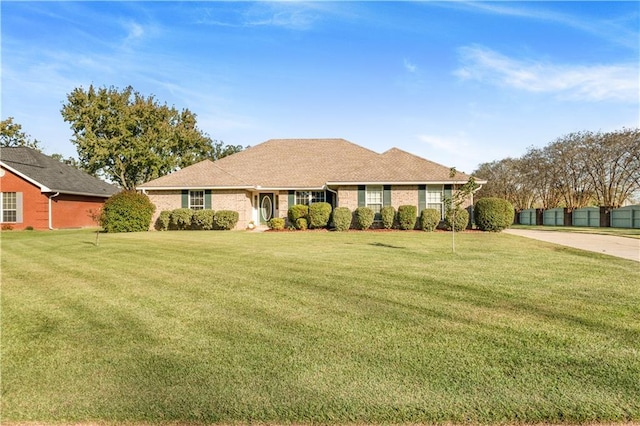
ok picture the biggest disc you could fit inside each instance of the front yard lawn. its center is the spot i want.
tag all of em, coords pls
(317, 327)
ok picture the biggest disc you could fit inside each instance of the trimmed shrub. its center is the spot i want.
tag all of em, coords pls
(493, 214)
(342, 218)
(225, 220)
(302, 224)
(407, 216)
(127, 211)
(319, 214)
(181, 219)
(429, 219)
(364, 217)
(296, 212)
(203, 219)
(163, 221)
(461, 222)
(276, 223)
(388, 214)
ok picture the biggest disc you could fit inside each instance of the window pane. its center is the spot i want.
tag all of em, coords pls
(9, 207)
(302, 197)
(317, 197)
(196, 200)
(374, 198)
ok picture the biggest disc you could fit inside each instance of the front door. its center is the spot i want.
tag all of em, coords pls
(265, 209)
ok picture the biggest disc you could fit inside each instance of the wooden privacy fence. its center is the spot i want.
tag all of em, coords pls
(624, 217)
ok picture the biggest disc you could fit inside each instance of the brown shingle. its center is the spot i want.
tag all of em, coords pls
(306, 163)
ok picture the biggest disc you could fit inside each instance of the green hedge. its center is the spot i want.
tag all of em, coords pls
(163, 220)
(342, 218)
(364, 217)
(296, 212)
(461, 220)
(302, 224)
(127, 211)
(407, 216)
(203, 219)
(276, 223)
(225, 220)
(388, 214)
(493, 214)
(429, 219)
(319, 214)
(181, 219)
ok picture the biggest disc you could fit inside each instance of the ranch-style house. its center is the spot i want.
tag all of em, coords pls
(261, 182)
(40, 192)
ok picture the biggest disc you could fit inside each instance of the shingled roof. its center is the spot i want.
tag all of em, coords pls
(51, 175)
(307, 163)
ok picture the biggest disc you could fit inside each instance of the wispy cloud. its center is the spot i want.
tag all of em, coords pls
(621, 31)
(410, 67)
(618, 82)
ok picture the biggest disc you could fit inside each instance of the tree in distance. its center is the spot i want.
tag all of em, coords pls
(11, 135)
(130, 139)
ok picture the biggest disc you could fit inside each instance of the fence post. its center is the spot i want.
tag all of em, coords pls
(605, 217)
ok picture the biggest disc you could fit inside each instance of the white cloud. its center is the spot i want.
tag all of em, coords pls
(618, 82)
(412, 68)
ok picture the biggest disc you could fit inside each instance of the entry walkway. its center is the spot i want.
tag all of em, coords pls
(626, 248)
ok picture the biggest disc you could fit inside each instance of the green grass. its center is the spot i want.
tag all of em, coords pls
(618, 232)
(316, 327)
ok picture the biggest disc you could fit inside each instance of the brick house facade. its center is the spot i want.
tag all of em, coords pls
(263, 181)
(39, 192)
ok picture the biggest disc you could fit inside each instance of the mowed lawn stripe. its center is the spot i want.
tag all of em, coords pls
(315, 327)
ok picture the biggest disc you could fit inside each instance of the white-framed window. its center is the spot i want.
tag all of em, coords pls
(196, 200)
(434, 198)
(374, 198)
(9, 207)
(310, 197)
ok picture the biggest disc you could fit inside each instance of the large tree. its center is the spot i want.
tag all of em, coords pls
(131, 139)
(612, 163)
(11, 135)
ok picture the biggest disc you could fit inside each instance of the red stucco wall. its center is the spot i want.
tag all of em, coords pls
(68, 211)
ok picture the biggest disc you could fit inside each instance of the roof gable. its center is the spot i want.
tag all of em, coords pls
(51, 175)
(307, 163)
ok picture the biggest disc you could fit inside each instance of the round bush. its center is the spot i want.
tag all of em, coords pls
(302, 224)
(342, 218)
(181, 219)
(319, 214)
(127, 211)
(276, 223)
(429, 219)
(493, 214)
(203, 219)
(407, 216)
(296, 212)
(163, 220)
(388, 214)
(225, 220)
(364, 217)
(461, 220)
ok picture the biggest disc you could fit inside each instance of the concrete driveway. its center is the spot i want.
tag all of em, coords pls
(626, 248)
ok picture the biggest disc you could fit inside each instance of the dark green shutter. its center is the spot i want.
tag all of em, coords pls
(207, 199)
(185, 198)
(292, 197)
(362, 196)
(386, 196)
(422, 198)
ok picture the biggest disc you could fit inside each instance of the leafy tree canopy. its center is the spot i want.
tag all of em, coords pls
(11, 135)
(131, 139)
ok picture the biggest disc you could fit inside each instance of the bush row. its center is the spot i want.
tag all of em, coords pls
(492, 214)
(183, 219)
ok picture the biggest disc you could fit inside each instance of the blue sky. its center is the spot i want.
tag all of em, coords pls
(459, 83)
